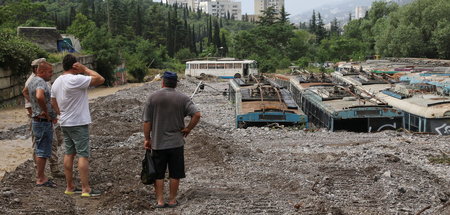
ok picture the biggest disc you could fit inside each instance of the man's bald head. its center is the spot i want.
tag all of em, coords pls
(45, 70)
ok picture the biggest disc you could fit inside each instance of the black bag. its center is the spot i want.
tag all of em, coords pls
(148, 173)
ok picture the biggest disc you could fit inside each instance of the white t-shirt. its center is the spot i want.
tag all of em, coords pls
(70, 92)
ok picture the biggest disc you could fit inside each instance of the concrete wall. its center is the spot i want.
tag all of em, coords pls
(11, 85)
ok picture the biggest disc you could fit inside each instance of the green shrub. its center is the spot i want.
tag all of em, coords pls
(17, 53)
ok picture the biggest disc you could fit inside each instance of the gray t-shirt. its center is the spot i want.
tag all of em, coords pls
(165, 110)
(39, 83)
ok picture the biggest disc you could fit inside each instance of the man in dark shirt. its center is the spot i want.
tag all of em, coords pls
(164, 114)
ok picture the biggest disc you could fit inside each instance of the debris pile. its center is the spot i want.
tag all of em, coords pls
(246, 171)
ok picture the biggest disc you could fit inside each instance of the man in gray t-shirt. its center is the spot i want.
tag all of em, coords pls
(43, 117)
(164, 114)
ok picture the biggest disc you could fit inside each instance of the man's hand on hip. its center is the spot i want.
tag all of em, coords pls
(186, 131)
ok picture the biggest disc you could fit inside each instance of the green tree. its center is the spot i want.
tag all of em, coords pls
(269, 17)
(17, 53)
(81, 26)
(320, 31)
(101, 43)
(283, 18)
(313, 23)
(441, 40)
(300, 45)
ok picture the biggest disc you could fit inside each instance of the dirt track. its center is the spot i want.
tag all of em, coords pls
(252, 171)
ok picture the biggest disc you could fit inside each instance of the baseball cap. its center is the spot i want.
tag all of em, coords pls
(37, 61)
(170, 75)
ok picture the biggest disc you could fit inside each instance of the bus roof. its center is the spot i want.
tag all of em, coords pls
(220, 61)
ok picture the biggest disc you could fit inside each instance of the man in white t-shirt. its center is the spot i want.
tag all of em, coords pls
(70, 99)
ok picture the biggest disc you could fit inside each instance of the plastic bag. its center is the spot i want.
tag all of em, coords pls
(148, 173)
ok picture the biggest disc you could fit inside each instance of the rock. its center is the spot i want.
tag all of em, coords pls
(402, 190)
(109, 184)
(16, 200)
(387, 174)
(259, 151)
(7, 193)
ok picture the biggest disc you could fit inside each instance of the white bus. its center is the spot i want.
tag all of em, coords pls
(222, 68)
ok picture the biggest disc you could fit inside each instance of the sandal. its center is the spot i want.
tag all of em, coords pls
(173, 205)
(76, 190)
(48, 183)
(93, 193)
(160, 206)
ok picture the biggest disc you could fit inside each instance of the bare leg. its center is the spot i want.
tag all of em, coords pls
(159, 191)
(83, 168)
(40, 164)
(53, 160)
(57, 141)
(173, 187)
(68, 171)
(33, 141)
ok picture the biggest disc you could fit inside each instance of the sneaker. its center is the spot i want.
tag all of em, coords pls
(93, 193)
(76, 190)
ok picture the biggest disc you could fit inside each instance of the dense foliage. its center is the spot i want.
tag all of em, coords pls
(145, 34)
(140, 33)
(16, 53)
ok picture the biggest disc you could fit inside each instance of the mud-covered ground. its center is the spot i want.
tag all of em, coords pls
(251, 171)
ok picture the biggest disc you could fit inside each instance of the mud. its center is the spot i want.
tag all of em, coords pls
(251, 171)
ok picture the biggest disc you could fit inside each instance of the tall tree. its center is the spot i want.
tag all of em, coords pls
(138, 25)
(283, 18)
(313, 23)
(269, 16)
(224, 49)
(216, 41)
(320, 32)
(334, 30)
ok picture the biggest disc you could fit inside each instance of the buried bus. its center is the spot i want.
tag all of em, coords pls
(222, 68)
(260, 102)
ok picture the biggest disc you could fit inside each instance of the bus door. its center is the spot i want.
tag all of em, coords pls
(245, 67)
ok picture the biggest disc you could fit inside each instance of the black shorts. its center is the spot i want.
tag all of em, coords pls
(172, 158)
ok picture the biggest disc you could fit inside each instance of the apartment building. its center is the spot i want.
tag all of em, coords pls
(221, 8)
(360, 12)
(261, 5)
(185, 3)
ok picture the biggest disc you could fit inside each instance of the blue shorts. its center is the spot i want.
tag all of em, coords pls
(43, 134)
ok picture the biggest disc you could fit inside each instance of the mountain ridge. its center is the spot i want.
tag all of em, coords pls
(339, 10)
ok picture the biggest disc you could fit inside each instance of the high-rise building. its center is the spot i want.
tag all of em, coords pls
(261, 5)
(360, 12)
(222, 8)
(185, 3)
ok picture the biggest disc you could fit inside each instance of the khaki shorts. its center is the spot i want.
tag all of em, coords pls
(76, 140)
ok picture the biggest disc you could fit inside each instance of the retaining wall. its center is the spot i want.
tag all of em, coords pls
(11, 85)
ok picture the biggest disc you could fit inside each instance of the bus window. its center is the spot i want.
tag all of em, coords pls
(187, 66)
(203, 66)
(211, 66)
(238, 65)
(228, 66)
(220, 66)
